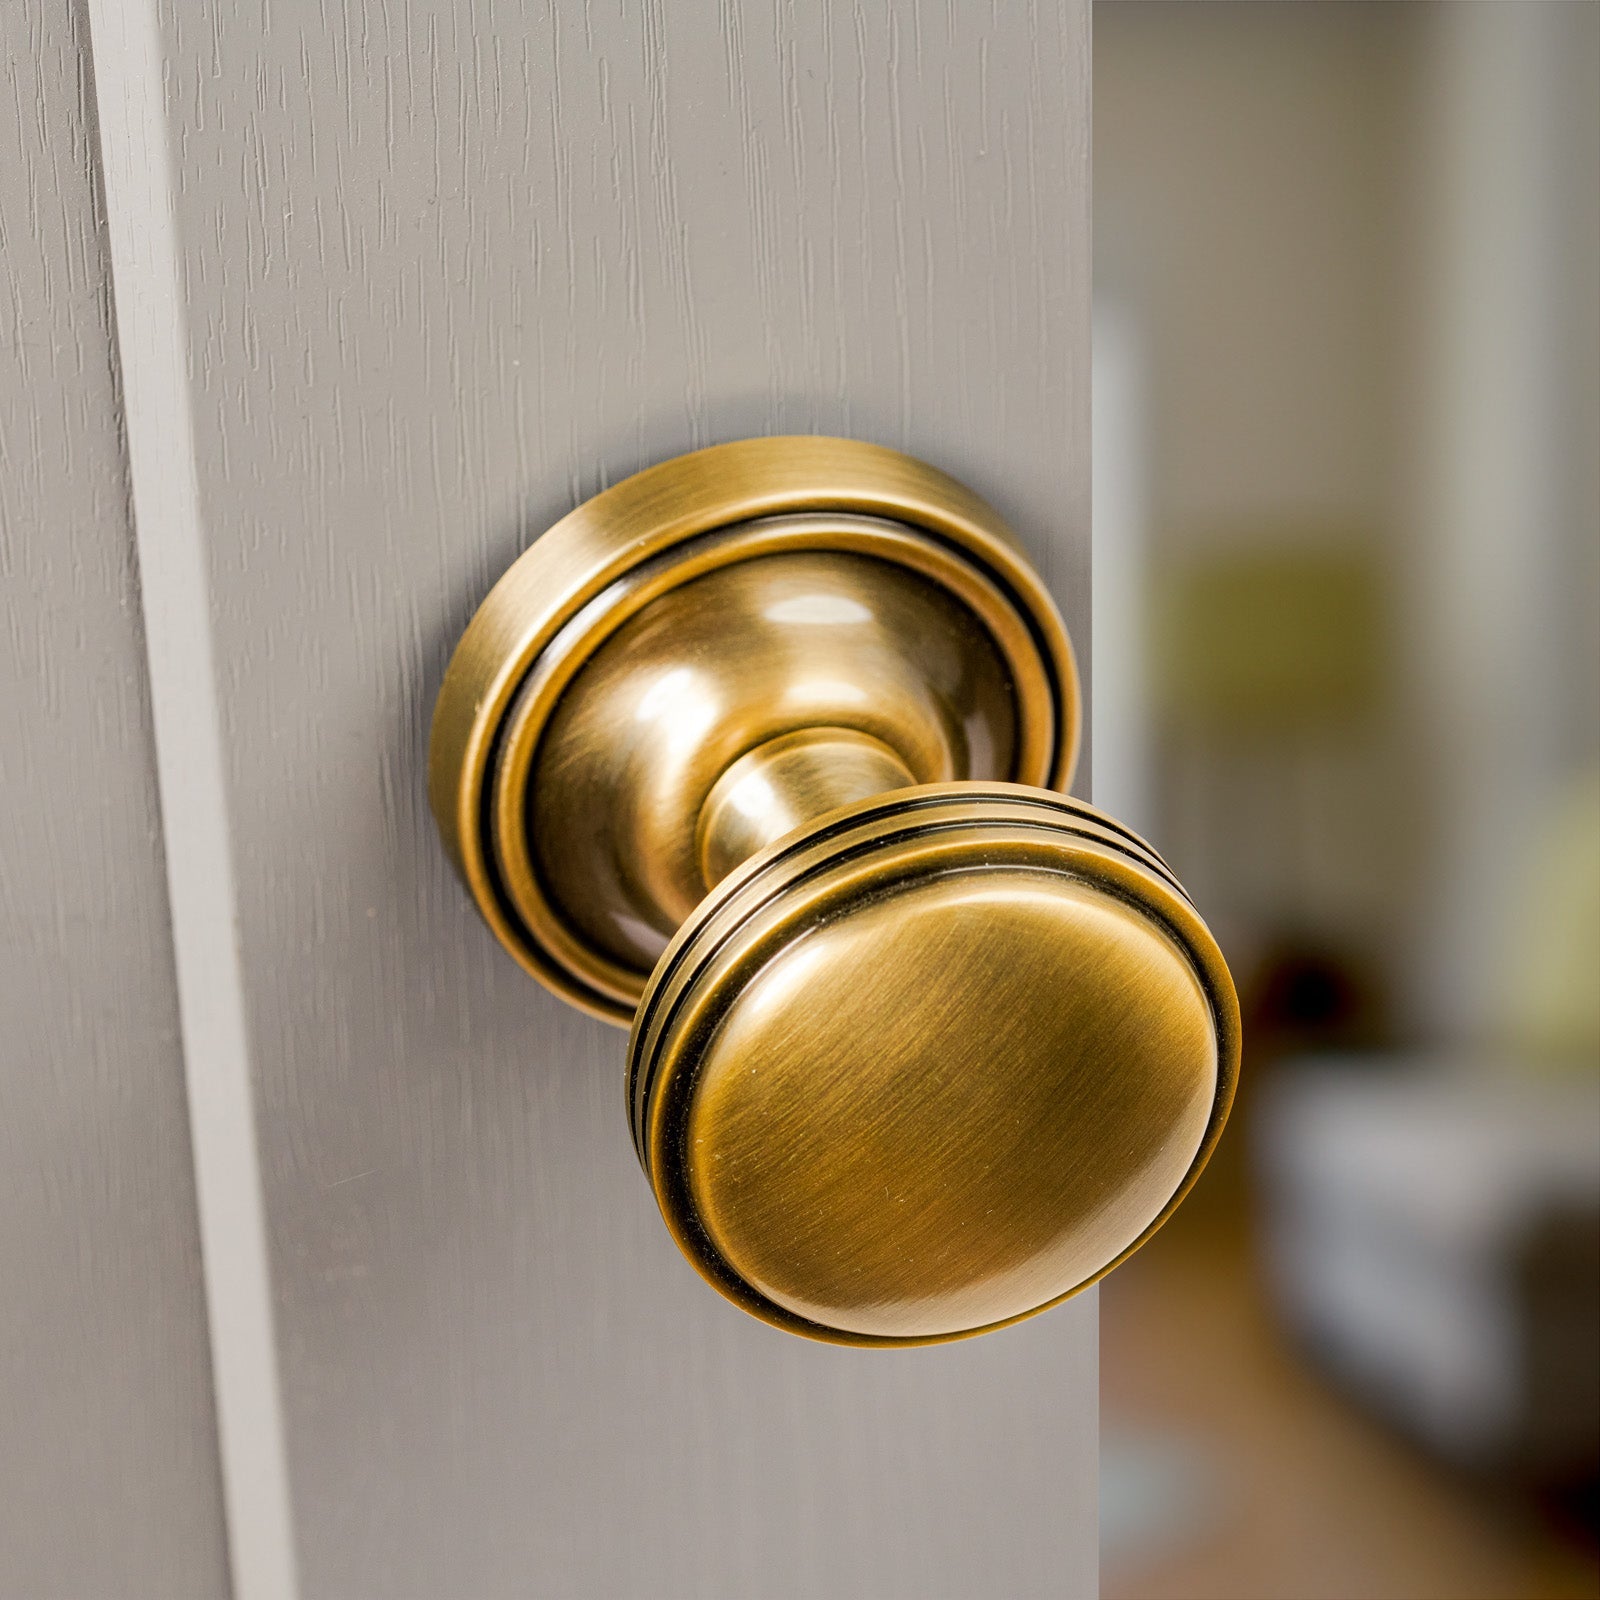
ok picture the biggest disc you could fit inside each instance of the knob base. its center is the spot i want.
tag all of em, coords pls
(716, 604)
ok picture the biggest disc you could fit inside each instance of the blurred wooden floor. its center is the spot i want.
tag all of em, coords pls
(1300, 1495)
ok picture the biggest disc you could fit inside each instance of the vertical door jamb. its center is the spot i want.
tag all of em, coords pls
(152, 346)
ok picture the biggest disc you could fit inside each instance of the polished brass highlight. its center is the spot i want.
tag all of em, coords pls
(782, 784)
(755, 750)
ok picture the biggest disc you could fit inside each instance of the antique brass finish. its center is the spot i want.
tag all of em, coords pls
(755, 750)
(931, 1065)
(783, 784)
(685, 616)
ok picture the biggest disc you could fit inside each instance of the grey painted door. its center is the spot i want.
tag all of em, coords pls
(396, 283)
(109, 1479)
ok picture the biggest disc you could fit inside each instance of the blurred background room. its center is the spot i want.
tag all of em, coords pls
(1347, 678)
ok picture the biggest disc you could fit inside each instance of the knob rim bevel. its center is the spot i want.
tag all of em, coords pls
(720, 953)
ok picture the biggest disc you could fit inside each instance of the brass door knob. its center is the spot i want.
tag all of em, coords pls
(758, 751)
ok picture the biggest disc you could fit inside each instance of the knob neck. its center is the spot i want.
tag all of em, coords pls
(783, 784)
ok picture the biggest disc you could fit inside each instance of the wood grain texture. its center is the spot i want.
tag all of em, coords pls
(108, 1467)
(452, 265)
(136, 143)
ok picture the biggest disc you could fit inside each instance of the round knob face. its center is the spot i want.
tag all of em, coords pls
(932, 1065)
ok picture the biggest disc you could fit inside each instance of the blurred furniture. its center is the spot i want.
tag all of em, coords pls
(1432, 1233)
(1434, 1237)
(1432, 1223)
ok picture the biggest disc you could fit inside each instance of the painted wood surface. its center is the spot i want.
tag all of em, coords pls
(109, 1480)
(449, 266)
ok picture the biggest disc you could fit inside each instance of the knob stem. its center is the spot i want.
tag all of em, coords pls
(783, 784)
